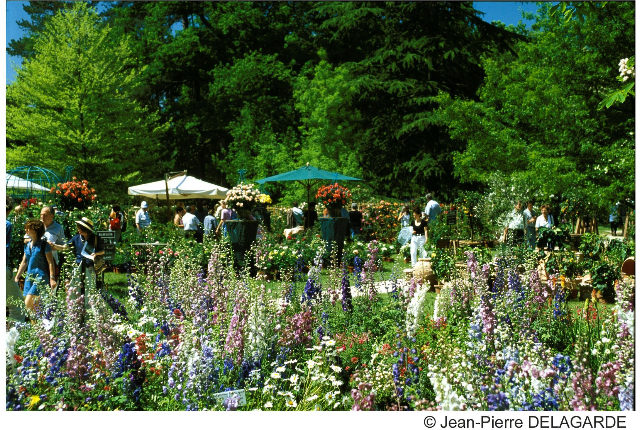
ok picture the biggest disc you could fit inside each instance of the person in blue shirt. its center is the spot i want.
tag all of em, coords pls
(432, 209)
(37, 263)
(210, 223)
(614, 218)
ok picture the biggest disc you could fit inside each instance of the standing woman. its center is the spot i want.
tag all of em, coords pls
(545, 219)
(177, 218)
(225, 215)
(418, 239)
(38, 263)
(87, 246)
(405, 226)
(116, 219)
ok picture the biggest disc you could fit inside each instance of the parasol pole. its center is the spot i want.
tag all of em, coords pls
(168, 176)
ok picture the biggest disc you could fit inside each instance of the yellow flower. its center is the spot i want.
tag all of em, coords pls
(34, 401)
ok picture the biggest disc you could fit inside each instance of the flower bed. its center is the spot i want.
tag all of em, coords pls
(495, 339)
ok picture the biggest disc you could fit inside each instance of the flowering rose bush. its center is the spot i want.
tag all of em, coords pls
(74, 194)
(381, 221)
(333, 195)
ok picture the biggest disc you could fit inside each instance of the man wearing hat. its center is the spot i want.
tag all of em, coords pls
(143, 219)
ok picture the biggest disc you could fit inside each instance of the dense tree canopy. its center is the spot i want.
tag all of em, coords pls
(409, 96)
(537, 118)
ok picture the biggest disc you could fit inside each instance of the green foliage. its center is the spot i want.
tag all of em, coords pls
(537, 120)
(73, 104)
(603, 277)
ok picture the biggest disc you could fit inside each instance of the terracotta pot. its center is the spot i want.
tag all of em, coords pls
(437, 288)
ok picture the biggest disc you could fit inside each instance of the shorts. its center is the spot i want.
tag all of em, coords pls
(31, 285)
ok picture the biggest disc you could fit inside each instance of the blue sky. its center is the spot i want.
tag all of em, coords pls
(507, 12)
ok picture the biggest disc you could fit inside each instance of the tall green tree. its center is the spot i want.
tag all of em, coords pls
(399, 56)
(72, 104)
(537, 119)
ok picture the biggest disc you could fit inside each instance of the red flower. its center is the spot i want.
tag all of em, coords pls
(354, 360)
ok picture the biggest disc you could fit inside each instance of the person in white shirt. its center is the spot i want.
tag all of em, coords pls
(190, 222)
(514, 230)
(545, 219)
(143, 219)
(54, 233)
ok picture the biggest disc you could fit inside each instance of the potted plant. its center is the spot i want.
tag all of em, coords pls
(334, 197)
(442, 264)
(243, 198)
(405, 251)
(603, 278)
(334, 229)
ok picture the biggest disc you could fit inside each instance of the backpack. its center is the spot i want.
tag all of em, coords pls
(114, 223)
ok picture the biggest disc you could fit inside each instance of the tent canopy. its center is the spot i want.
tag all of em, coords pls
(180, 188)
(22, 184)
(308, 176)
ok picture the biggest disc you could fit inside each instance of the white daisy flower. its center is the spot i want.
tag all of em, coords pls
(291, 403)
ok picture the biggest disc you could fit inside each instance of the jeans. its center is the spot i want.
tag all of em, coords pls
(417, 245)
(531, 237)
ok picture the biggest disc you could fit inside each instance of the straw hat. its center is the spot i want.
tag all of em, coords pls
(144, 205)
(85, 223)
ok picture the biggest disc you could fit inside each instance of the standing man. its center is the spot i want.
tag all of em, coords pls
(431, 212)
(614, 218)
(530, 223)
(514, 230)
(53, 234)
(190, 222)
(298, 215)
(143, 218)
